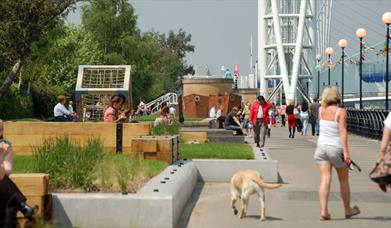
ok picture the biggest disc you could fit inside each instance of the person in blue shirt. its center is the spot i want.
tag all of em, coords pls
(228, 74)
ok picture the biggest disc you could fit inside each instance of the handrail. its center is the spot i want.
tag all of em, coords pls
(169, 98)
(367, 123)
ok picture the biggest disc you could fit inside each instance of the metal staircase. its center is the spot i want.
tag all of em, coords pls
(169, 98)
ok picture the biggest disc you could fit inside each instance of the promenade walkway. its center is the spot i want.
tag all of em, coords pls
(296, 203)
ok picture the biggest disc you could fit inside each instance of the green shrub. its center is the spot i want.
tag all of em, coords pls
(13, 105)
(69, 164)
(44, 99)
(162, 129)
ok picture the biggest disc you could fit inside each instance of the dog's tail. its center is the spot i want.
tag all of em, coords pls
(266, 185)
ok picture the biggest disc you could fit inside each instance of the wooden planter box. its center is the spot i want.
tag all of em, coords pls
(27, 136)
(164, 148)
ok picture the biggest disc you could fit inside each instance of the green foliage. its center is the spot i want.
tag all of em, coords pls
(44, 99)
(23, 164)
(163, 129)
(125, 173)
(216, 151)
(147, 118)
(51, 51)
(111, 173)
(24, 22)
(14, 106)
(55, 63)
(67, 162)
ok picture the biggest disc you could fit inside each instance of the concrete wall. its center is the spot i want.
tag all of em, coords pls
(112, 210)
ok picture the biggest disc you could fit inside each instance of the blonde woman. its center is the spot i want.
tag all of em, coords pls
(333, 151)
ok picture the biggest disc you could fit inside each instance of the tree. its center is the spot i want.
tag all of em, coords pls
(22, 23)
(56, 62)
(109, 21)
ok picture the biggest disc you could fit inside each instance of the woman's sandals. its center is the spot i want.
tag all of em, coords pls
(355, 211)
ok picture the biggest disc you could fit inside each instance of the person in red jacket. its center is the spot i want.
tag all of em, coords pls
(259, 116)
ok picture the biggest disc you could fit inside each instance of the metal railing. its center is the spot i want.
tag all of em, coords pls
(367, 123)
(169, 98)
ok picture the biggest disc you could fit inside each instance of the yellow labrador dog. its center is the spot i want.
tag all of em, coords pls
(246, 183)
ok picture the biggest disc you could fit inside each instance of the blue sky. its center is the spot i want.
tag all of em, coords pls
(221, 29)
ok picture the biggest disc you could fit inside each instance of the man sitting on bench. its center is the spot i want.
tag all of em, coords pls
(232, 122)
(11, 199)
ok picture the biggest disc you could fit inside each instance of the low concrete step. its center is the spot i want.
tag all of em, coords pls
(196, 124)
(219, 132)
(225, 139)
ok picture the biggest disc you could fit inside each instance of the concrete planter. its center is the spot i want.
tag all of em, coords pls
(159, 203)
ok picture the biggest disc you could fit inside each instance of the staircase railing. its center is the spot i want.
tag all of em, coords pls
(169, 98)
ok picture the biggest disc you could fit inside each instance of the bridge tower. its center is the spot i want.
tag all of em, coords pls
(286, 45)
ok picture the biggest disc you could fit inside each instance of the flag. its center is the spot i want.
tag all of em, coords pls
(237, 71)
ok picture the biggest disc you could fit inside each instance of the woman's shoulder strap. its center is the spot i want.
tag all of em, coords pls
(337, 114)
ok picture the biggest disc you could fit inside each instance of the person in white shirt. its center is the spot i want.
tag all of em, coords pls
(212, 112)
(61, 113)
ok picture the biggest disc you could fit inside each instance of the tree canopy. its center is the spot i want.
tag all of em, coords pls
(33, 34)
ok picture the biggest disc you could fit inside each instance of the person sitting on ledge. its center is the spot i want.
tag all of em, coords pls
(61, 113)
(163, 117)
(112, 112)
(12, 199)
(232, 122)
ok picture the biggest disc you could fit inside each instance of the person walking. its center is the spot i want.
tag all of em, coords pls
(292, 122)
(384, 148)
(283, 114)
(314, 119)
(246, 115)
(333, 151)
(304, 117)
(259, 116)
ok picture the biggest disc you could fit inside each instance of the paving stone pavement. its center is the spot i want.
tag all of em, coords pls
(296, 203)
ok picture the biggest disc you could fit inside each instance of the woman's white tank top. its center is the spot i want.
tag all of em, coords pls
(329, 131)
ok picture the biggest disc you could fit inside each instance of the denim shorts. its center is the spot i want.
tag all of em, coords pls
(329, 154)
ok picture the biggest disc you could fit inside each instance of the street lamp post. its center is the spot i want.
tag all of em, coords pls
(361, 33)
(387, 21)
(329, 52)
(318, 59)
(343, 44)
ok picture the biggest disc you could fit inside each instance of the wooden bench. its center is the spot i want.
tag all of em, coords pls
(35, 187)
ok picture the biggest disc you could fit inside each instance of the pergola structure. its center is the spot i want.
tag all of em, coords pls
(97, 84)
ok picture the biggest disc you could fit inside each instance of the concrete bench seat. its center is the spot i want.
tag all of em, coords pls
(203, 134)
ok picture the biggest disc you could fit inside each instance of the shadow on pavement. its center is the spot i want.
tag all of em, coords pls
(268, 218)
(184, 219)
(376, 218)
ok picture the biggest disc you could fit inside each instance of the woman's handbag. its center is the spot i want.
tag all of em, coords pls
(381, 173)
